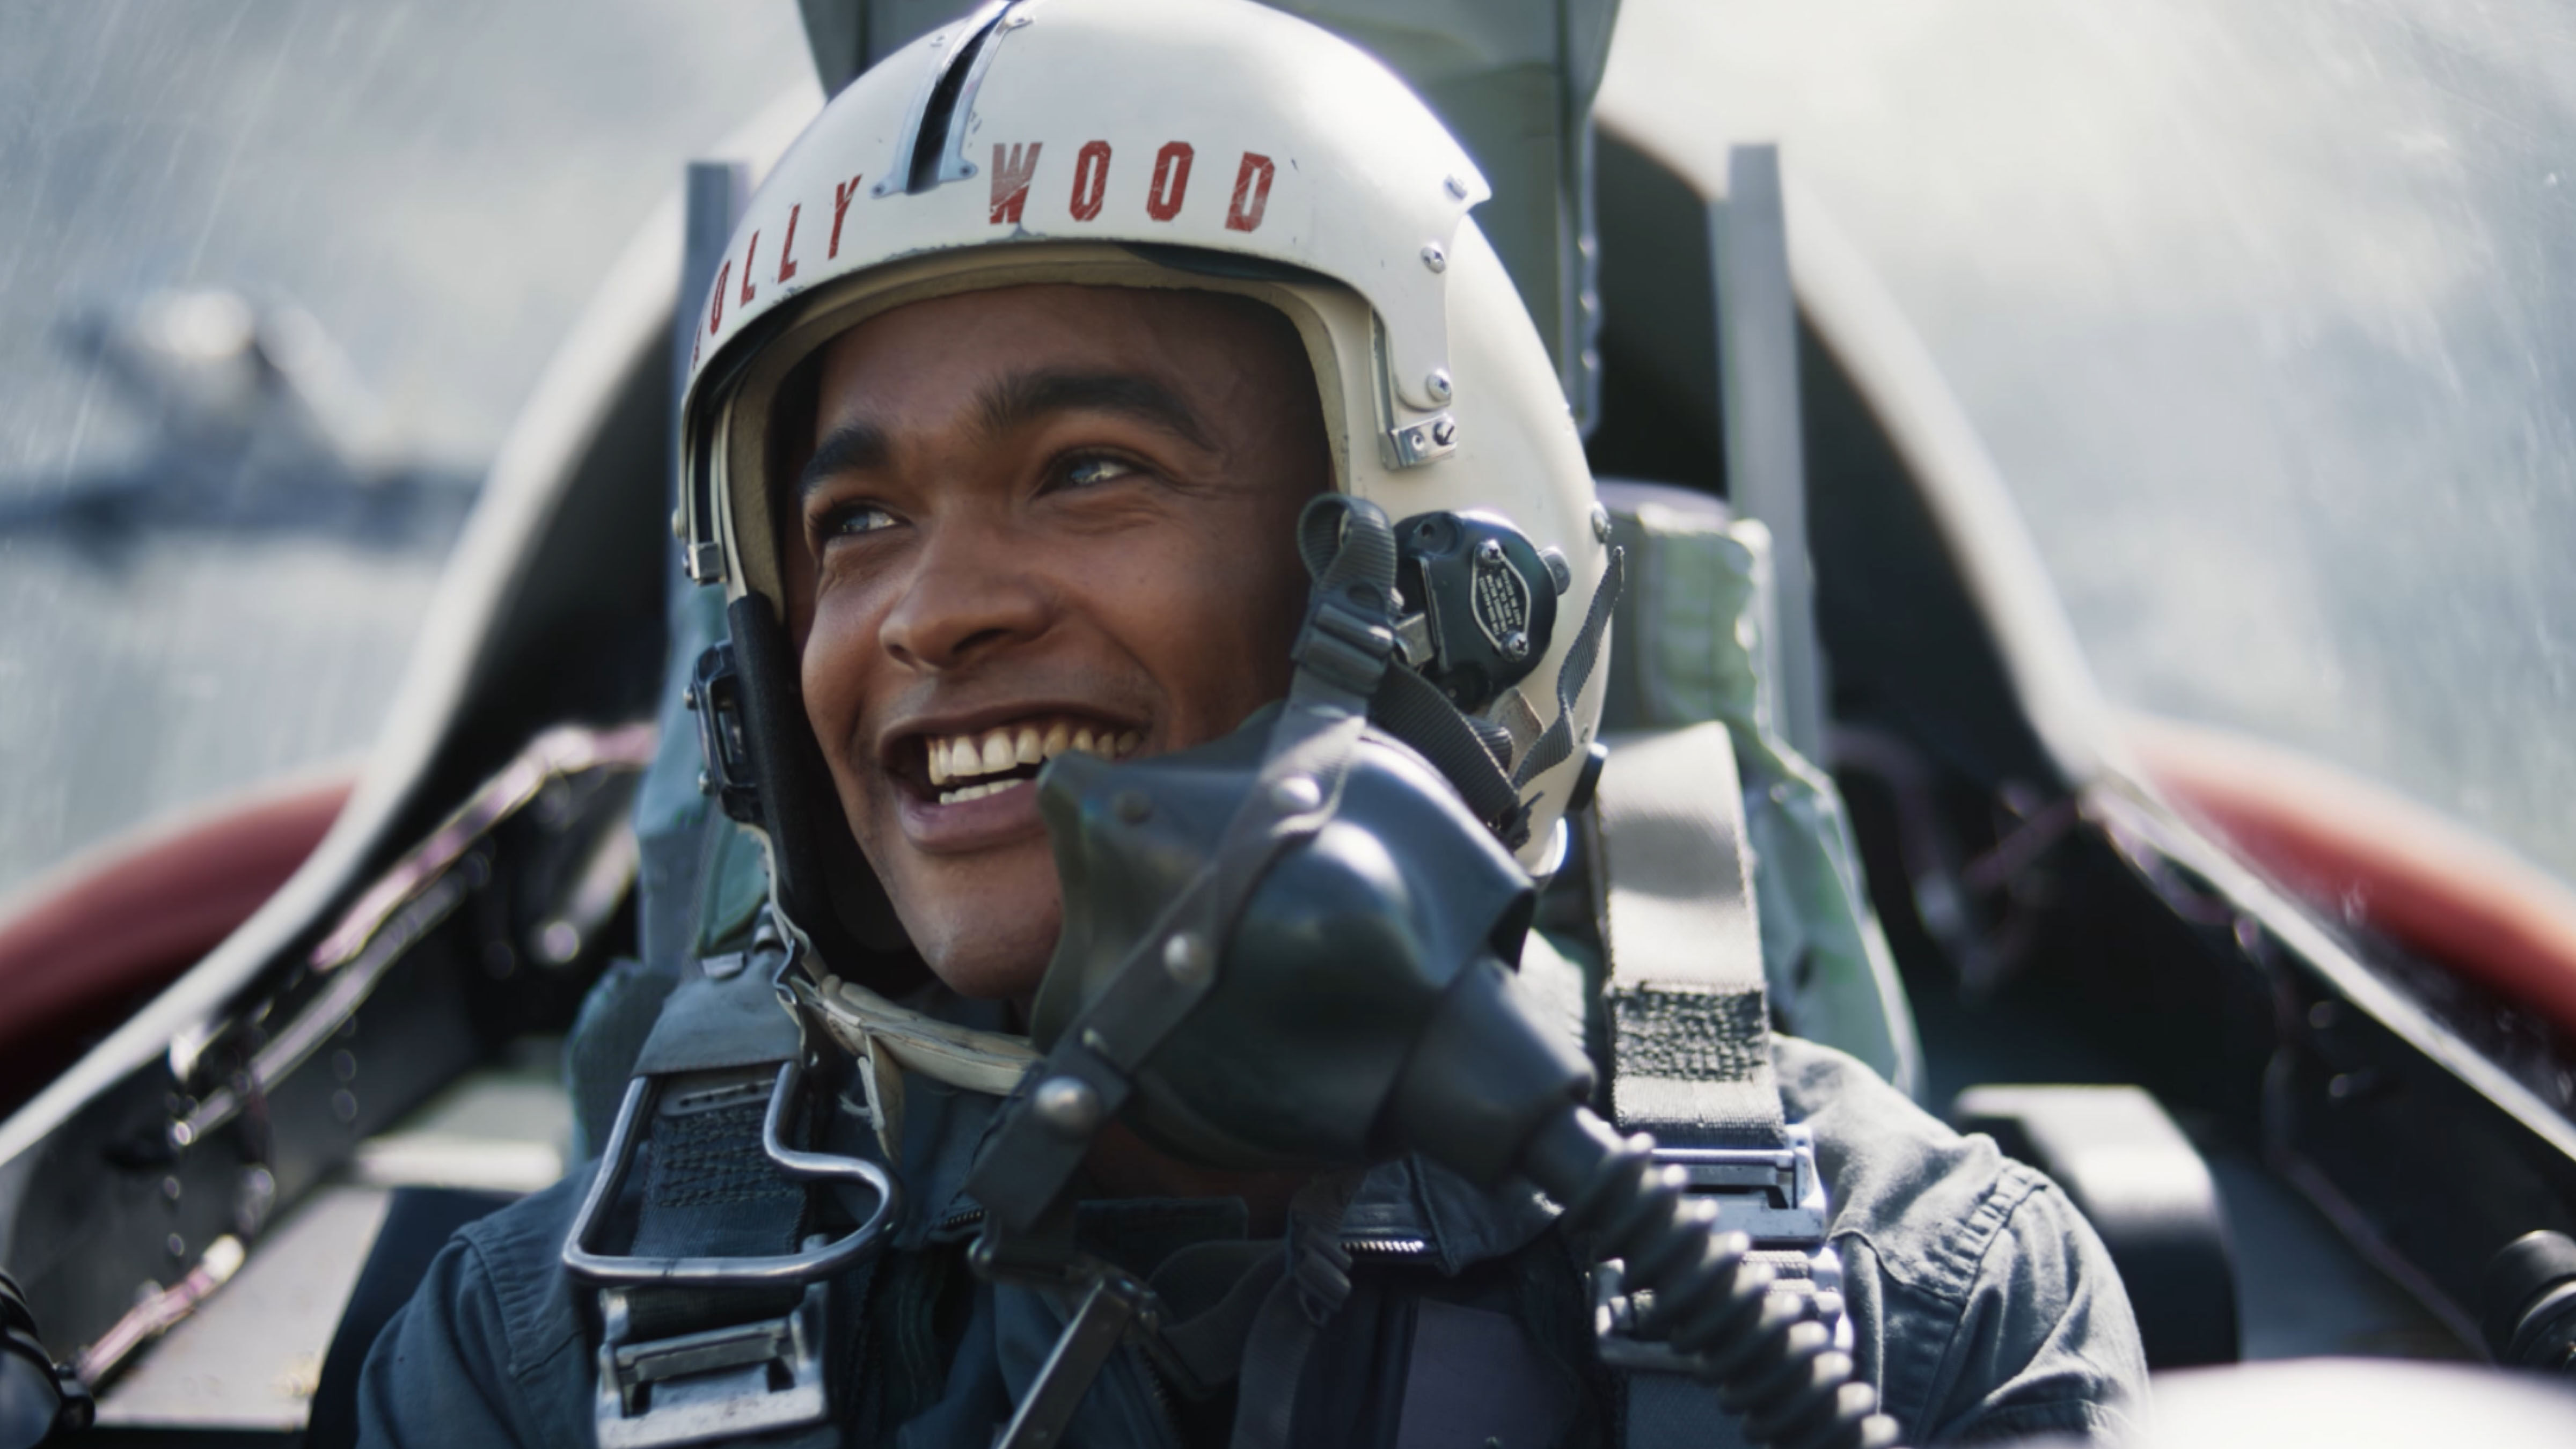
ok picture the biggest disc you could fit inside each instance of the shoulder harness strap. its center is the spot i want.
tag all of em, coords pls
(714, 1311)
(1690, 1046)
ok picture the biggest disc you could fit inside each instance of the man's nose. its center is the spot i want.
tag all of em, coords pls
(970, 595)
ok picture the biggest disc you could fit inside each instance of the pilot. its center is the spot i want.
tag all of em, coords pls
(1007, 400)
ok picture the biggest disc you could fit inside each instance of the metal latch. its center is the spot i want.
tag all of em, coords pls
(720, 1383)
(1772, 1195)
(1114, 1305)
(819, 1259)
(733, 1379)
(1776, 1197)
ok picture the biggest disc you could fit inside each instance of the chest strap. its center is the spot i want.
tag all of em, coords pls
(714, 1312)
(1690, 1048)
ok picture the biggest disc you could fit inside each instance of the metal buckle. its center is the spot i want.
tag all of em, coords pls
(719, 1383)
(1346, 647)
(734, 1379)
(584, 1261)
(1776, 1197)
(1772, 1195)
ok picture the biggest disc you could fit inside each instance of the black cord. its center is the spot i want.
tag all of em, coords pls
(1772, 1361)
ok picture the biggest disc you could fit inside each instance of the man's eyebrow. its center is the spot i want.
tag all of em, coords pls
(1023, 398)
(852, 447)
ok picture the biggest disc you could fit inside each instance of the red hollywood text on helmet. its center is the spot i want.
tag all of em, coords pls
(1014, 172)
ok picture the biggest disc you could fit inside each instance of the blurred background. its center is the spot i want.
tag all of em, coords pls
(275, 277)
(2264, 312)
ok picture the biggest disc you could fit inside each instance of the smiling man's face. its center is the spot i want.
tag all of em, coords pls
(1037, 519)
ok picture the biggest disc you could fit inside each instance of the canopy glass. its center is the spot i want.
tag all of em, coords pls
(2267, 314)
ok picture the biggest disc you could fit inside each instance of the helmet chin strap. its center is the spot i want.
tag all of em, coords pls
(889, 1040)
(961, 1056)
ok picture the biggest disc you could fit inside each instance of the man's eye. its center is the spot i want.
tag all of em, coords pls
(857, 518)
(1084, 472)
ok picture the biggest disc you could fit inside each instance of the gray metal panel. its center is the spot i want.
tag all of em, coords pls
(1766, 456)
(251, 1357)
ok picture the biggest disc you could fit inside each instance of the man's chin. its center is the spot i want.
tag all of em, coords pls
(992, 952)
(993, 982)
(984, 920)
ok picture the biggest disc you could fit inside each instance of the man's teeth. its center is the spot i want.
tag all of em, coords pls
(1033, 742)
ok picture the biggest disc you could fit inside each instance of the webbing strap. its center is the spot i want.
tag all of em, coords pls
(709, 1189)
(1690, 1039)
(1475, 754)
(1690, 1030)
(1413, 709)
(1558, 741)
(1206, 1349)
(1296, 1310)
(713, 1022)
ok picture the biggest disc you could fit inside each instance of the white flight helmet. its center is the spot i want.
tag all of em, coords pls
(1207, 144)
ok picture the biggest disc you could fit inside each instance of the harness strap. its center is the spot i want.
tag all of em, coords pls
(713, 1315)
(1413, 709)
(1557, 742)
(1316, 1285)
(1690, 1029)
(1205, 1350)
(709, 1190)
(1690, 1051)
